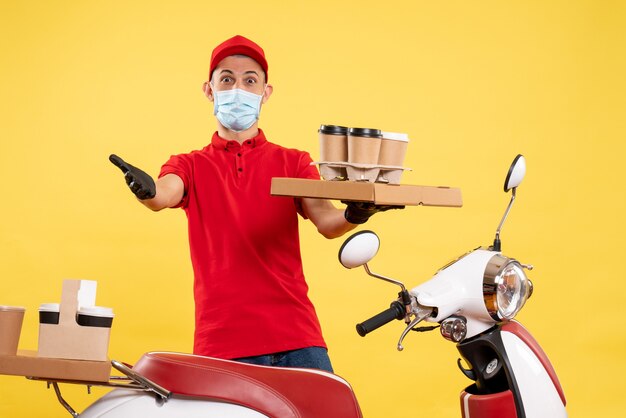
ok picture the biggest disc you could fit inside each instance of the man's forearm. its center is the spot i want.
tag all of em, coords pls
(335, 224)
(329, 220)
(169, 193)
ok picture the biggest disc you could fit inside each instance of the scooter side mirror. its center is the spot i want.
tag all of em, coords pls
(516, 173)
(514, 177)
(359, 249)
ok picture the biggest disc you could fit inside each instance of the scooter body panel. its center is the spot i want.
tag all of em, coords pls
(540, 396)
(518, 330)
(454, 291)
(122, 403)
(510, 370)
(496, 405)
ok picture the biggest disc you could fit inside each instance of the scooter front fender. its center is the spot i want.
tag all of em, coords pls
(514, 378)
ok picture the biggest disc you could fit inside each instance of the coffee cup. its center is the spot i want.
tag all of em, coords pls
(11, 319)
(393, 148)
(333, 143)
(95, 316)
(49, 313)
(364, 145)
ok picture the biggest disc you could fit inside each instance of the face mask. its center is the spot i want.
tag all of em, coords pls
(236, 109)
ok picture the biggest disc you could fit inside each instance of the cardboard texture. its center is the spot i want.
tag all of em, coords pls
(27, 363)
(378, 193)
(67, 339)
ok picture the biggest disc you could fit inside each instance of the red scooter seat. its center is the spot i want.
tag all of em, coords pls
(273, 391)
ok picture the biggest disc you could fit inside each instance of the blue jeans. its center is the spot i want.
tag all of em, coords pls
(310, 358)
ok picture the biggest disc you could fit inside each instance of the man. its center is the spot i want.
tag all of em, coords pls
(249, 288)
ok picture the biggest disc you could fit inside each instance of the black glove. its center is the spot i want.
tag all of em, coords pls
(138, 181)
(360, 212)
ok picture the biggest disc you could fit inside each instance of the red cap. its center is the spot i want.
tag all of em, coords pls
(238, 45)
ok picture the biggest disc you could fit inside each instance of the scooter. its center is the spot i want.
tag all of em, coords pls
(473, 299)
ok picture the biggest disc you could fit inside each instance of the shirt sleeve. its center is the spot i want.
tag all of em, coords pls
(181, 166)
(306, 170)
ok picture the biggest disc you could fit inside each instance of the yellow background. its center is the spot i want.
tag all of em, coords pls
(472, 82)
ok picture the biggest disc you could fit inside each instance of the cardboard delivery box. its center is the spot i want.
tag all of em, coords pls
(27, 363)
(378, 193)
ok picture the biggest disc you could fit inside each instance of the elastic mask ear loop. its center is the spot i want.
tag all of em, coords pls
(262, 96)
(215, 105)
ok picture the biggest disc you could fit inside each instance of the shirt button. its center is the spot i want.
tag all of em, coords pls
(238, 154)
(240, 169)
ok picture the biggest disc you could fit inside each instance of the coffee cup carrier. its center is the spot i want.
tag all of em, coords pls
(344, 170)
(68, 339)
(83, 291)
(372, 173)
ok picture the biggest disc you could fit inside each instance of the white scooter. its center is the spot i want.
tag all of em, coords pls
(474, 299)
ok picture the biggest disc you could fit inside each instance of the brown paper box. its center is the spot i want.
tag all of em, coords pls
(27, 363)
(69, 340)
(382, 194)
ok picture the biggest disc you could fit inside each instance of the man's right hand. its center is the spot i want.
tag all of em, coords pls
(139, 182)
(359, 212)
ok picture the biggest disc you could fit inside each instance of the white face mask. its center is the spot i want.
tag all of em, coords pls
(236, 109)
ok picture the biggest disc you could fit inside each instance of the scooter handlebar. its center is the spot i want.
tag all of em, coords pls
(395, 311)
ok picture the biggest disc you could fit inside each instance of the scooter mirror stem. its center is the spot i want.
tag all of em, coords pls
(387, 279)
(497, 244)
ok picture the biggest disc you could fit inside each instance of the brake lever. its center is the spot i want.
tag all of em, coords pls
(420, 315)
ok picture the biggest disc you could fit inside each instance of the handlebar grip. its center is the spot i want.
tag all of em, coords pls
(395, 311)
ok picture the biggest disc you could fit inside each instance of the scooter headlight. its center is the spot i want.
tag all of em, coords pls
(505, 287)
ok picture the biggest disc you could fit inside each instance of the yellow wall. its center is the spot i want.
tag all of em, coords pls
(473, 83)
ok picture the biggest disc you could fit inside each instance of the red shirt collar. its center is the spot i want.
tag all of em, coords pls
(220, 143)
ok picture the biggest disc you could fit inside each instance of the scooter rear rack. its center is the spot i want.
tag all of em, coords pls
(131, 381)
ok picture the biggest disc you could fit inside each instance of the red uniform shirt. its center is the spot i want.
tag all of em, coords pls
(249, 287)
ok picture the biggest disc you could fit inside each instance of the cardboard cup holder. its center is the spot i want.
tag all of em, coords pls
(77, 329)
(361, 154)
